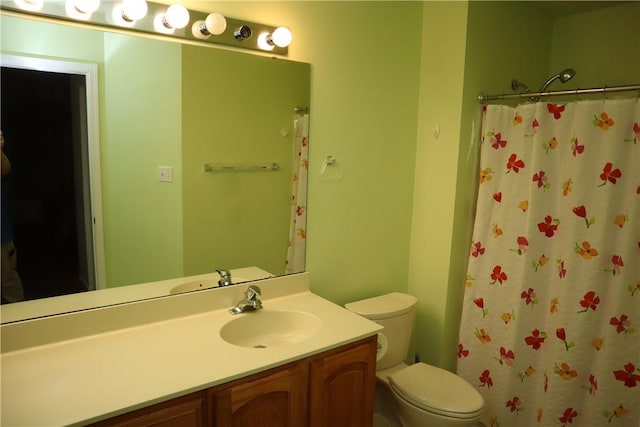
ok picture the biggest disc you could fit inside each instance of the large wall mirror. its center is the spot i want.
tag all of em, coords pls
(176, 162)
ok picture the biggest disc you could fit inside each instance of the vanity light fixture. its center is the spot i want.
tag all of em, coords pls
(215, 24)
(169, 19)
(30, 5)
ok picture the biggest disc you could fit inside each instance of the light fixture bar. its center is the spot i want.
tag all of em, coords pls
(103, 18)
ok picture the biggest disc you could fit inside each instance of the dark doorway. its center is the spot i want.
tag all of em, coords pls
(39, 125)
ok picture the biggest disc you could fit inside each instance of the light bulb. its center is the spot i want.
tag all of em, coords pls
(281, 37)
(215, 23)
(133, 10)
(263, 42)
(86, 6)
(30, 5)
(177, 16)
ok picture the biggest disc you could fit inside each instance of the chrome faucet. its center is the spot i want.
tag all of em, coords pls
(250, 302)
(225, 277)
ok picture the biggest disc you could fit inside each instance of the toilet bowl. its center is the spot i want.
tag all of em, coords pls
(418, 395)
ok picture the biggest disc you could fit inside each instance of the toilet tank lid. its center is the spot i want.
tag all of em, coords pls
(383, 306)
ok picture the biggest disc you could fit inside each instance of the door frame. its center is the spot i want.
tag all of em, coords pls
(94, 204)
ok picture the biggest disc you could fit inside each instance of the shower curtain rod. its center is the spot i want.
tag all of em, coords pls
(486, 98)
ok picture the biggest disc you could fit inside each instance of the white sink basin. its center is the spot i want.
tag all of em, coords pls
(270, 328)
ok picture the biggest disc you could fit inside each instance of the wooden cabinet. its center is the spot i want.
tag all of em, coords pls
(334, 388)
(276, 398)
(342, 386)
(185, 411)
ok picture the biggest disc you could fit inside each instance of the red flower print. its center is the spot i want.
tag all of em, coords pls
(514, 404)
(497, 275)
(628, 375)
(480, 303)
(462, 352)
(556, 110)
(568, 416)
(541, 179)
(506, 357)
(609, 174)
(485, 379)
(593, 385)
(534, 127)
(562, 336)
(477, 249)
(576, 148)
(636, 133)
(497, 141)
(589, 301)
(581, 211)
(514, 164)
(497, 197)
(523, 244)
(562, 271)
(529, 296)
(622, 324)
(536, 339)
(549, 226)
(617, 264)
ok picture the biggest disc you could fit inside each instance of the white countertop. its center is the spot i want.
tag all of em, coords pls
(93, 377)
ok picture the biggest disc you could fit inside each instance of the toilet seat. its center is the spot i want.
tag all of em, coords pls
(437, 390)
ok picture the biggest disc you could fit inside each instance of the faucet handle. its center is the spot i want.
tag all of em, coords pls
(225, 277)
(253, 292)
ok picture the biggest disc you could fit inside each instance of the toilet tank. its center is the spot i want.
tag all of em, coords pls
(395, 312)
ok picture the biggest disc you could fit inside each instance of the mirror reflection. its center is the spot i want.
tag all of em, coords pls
(120, 190)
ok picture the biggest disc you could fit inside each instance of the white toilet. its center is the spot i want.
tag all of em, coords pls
(416, 395)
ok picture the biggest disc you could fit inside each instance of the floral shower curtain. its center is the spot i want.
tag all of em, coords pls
(549, 330)
(296, 251)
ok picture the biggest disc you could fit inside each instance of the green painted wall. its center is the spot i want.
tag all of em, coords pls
(441, 85)
(141, 130)
(236, 108)
(600, 45)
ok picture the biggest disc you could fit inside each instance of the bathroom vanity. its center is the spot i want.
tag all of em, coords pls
(184, 360)
(334, 388)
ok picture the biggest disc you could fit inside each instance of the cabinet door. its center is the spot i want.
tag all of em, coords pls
(275, 398)
(187, 411)
(342, 385)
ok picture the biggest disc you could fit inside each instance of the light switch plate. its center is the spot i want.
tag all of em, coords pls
(165, 173)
